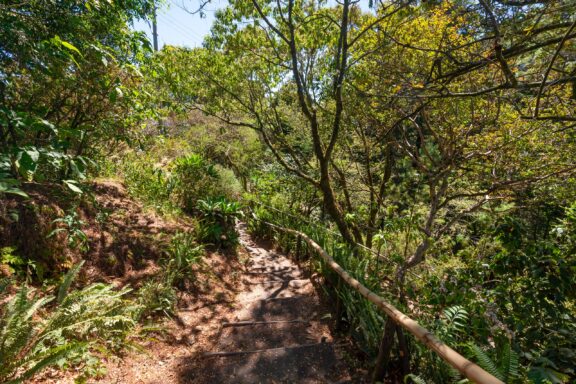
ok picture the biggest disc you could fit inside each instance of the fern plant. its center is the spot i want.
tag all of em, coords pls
(96, 317)
(453, 324)
(19, 339)
(156, 297)
(508, 367)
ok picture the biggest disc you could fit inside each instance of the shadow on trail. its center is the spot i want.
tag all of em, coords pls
(276, 334)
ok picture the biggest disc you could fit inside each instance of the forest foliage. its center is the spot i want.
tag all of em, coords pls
(429, 146)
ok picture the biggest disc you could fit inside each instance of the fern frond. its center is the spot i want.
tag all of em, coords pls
(455, 375)
(456, 318)
(97, 314)
(509, 362)
(4, 283)
(485, 362)
(542, 375)
(68, 279)
(35, 306)
(48, 358)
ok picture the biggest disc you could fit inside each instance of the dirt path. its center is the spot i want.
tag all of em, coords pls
(262, 323)
(277, 335)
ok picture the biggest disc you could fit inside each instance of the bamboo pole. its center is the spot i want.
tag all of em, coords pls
(466, 367)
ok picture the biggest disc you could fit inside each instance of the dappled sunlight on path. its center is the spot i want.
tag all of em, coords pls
(276, 334)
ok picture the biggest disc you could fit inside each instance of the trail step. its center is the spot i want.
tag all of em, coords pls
(249, 323)
(306, 364)
(291, 282)
(267, 336)
(267, 270)
(237, 353)
(271, 299)
(262, 301)
(279, 308)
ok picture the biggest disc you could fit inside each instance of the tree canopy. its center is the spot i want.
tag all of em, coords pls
(431, 144)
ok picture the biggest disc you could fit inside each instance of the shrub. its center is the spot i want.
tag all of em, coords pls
(217, 221)
(156, 296)
(72, 225)
(193, 177)
(177, 185)
(150, 183)
(12, 263)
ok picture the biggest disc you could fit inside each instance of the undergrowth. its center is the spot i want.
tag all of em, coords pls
(64, 330)
(472, 329)
(158, 295)
(74, 328)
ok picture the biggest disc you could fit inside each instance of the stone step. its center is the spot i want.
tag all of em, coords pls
(290, 282)
(293, 273)
(255, 323)
(280, 308)
(307, 364)
(274, 290)
(266, 335)
(266, 268)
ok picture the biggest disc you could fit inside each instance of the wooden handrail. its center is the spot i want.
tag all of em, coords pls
(469, 369)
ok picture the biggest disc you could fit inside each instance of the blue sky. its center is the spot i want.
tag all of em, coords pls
(178, 27)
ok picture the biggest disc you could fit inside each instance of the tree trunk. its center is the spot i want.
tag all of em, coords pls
(332, 206)
(413, 261)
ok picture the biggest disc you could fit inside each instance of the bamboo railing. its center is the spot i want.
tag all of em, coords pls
(467, 368)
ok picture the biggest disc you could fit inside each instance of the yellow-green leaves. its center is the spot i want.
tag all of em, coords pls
(66, 48)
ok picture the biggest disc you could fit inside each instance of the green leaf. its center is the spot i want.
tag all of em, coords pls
(70, 47)
(68, 279)
(27, 162)
(73, 185)
(484, 361)
(11, 186)
(51, 357)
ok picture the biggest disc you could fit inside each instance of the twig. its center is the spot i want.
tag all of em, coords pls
(550, 65)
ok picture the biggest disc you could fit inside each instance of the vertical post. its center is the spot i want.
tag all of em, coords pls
(339, 305)
(288, 247)
(384, 350)
(404, 353)
(155, 30)
(298, 248)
